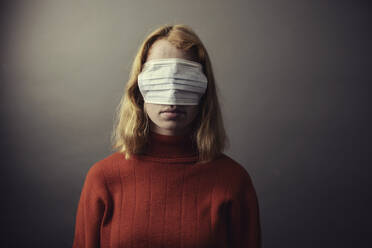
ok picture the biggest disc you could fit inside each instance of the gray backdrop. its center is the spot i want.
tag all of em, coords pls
(292, 79)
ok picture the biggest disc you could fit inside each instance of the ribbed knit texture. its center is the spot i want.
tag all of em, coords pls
(162, 198)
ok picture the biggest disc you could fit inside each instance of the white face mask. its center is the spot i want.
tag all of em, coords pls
(172, 81)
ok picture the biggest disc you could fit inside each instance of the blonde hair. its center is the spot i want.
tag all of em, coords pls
(131, 126)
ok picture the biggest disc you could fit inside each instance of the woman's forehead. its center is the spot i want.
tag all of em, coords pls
(164, 49)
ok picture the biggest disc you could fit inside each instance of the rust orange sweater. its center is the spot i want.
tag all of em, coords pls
(163, 199)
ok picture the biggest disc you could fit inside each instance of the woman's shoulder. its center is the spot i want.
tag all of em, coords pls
(234, 170)
(110, 159)
(106, 168)
(232, 165)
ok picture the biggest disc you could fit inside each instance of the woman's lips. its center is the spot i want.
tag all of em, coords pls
(170, 114)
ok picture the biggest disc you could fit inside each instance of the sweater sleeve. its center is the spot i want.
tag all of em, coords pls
(91, 209)
(245, 227)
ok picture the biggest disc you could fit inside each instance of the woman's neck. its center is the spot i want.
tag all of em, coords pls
(170, 132)
(161, 145)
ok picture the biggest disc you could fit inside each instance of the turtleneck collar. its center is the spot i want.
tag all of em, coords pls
(170, 148)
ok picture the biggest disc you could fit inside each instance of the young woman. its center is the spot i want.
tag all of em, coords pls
(168, 183)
